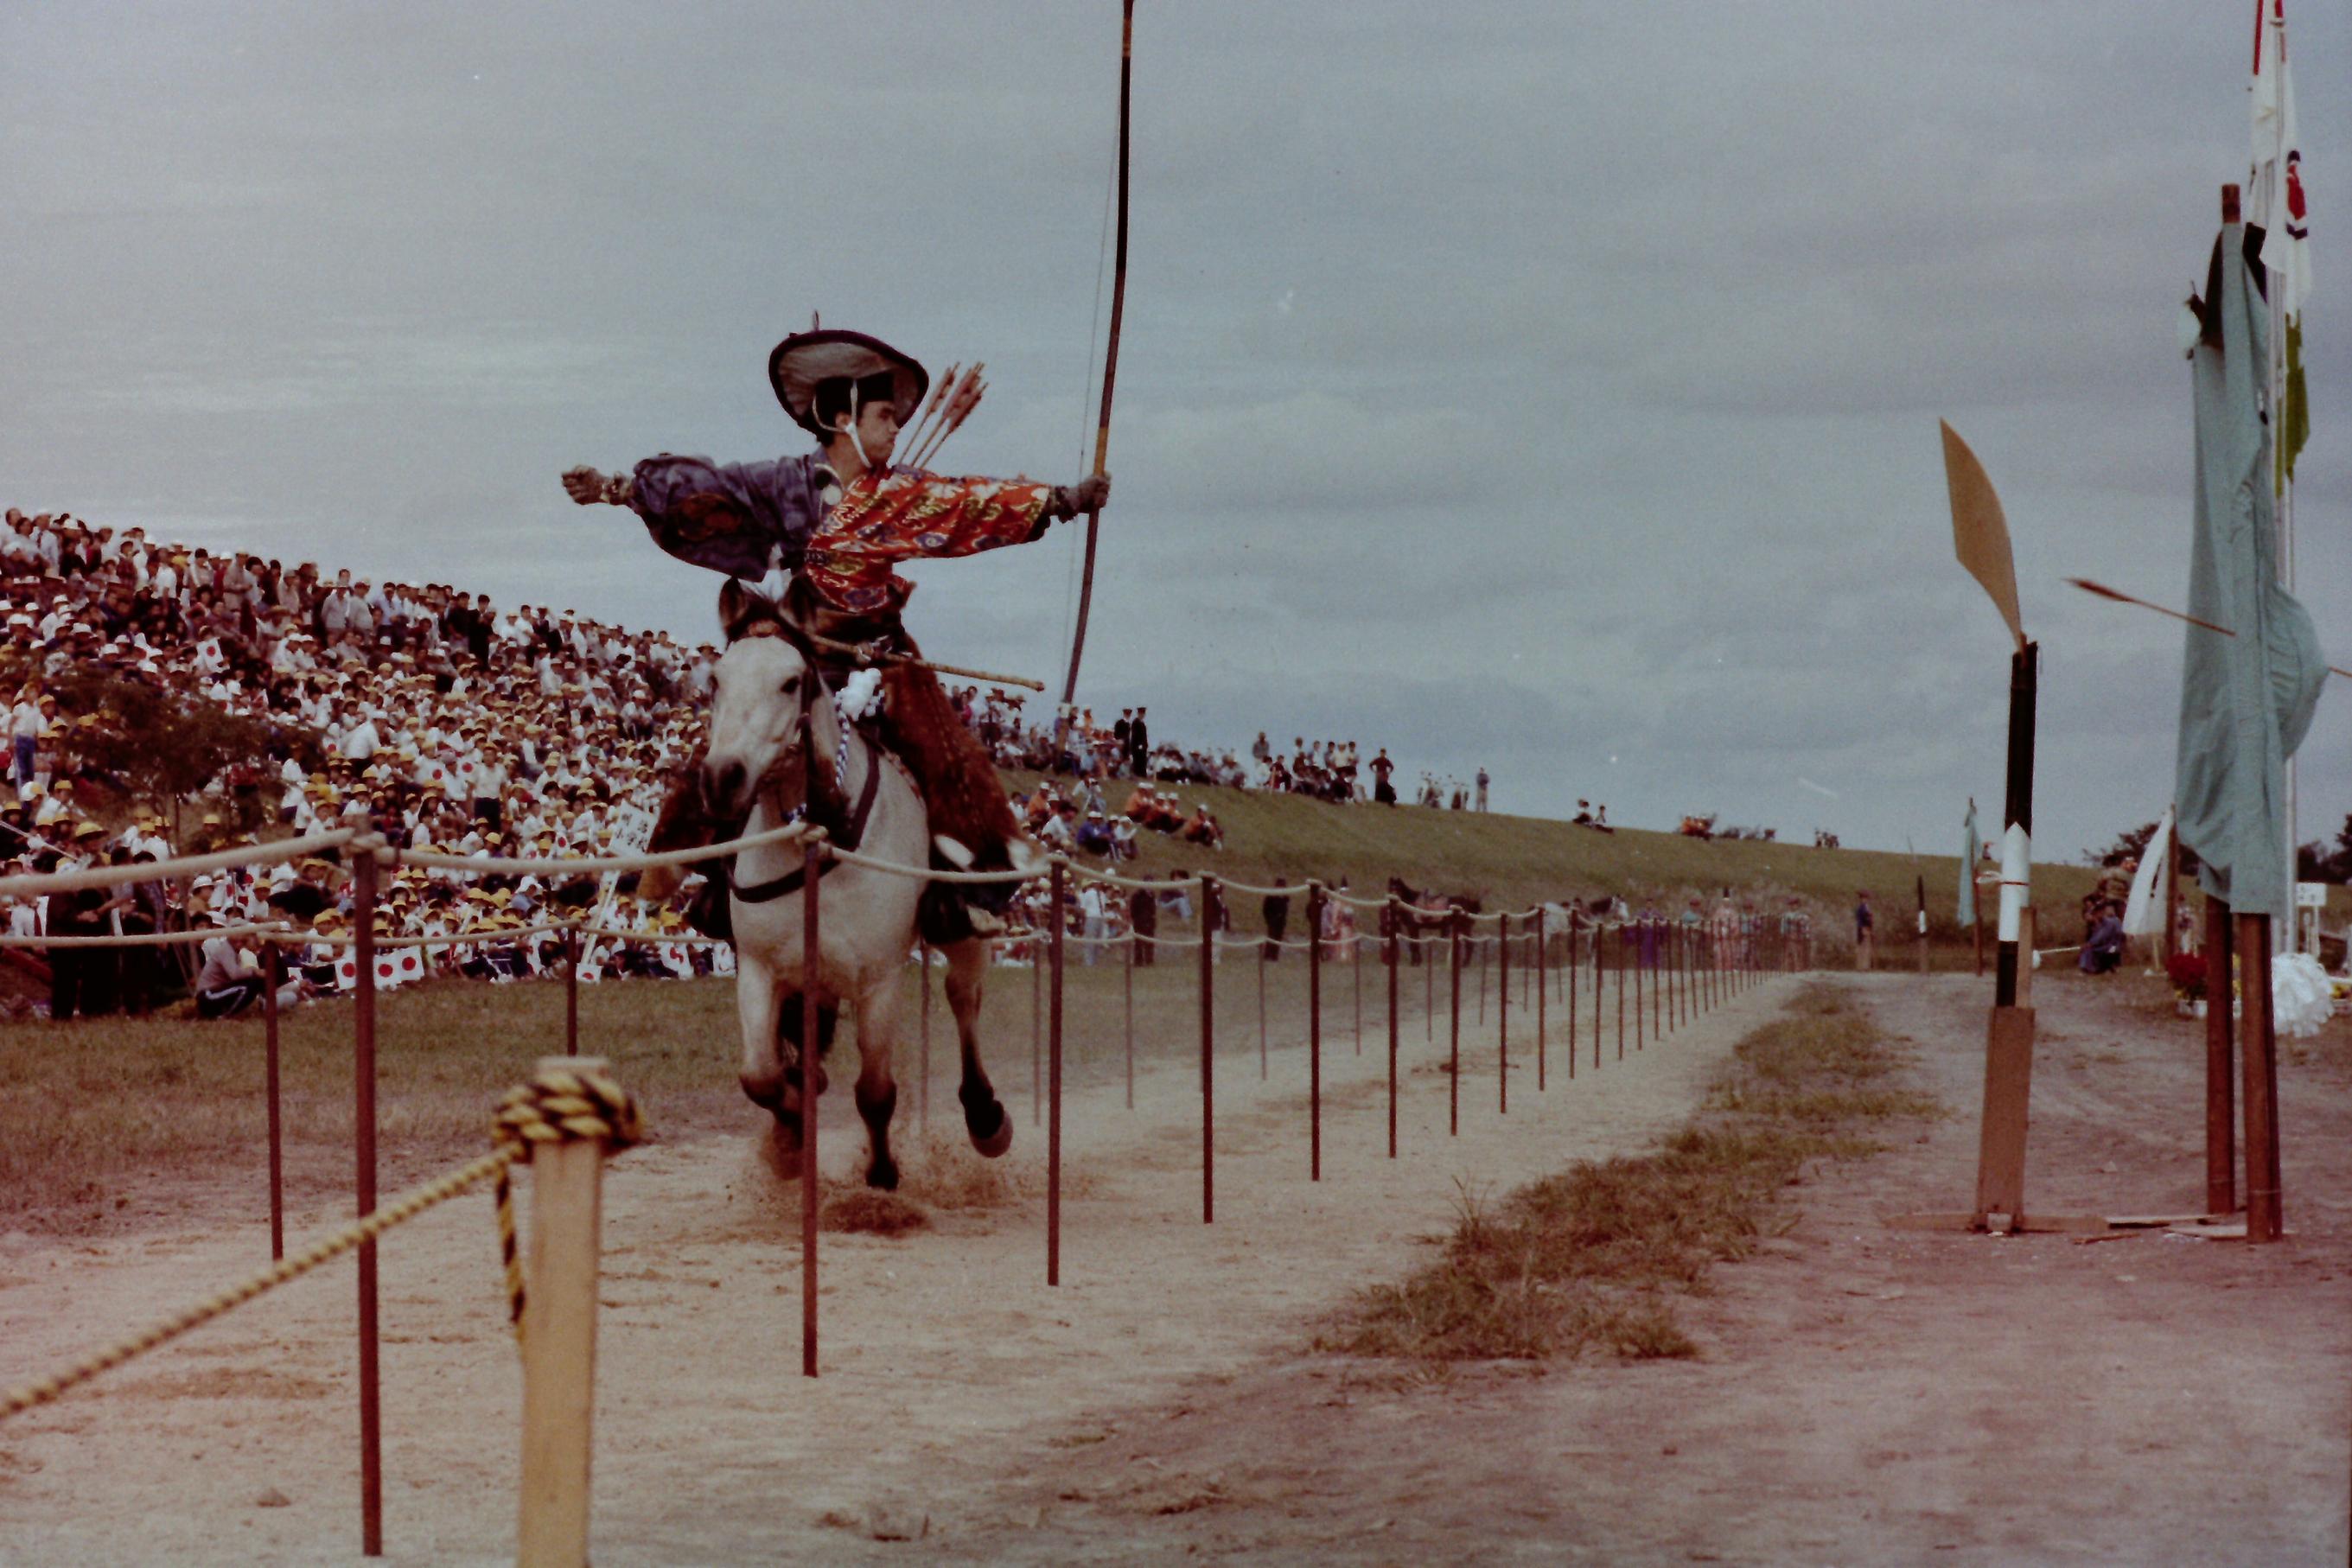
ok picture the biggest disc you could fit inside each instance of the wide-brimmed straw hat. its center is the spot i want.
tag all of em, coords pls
(797, 365)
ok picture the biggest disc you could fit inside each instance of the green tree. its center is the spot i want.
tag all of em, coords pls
(2317, 862)
(161, 746)
(2132, 845)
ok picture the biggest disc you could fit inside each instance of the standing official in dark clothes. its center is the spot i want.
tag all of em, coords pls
(1143, 915)
(1278, 921)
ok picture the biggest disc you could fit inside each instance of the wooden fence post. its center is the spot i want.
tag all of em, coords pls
(270, 973)
(1209, 922)
(1054, 1090)
(1454, 1070)
(1396, 923)
(558, 1346)
(363, 885)
(1314, 1031)
(1502, 1014)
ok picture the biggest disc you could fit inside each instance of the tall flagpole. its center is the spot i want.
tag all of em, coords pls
(1110, 377)
(2268, 178)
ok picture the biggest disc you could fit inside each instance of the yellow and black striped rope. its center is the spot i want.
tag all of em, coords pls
(405, 1208)
(561, 1105)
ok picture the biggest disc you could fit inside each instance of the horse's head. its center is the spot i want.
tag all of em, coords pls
(760, 689)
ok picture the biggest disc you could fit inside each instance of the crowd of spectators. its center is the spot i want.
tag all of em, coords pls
(448, 721)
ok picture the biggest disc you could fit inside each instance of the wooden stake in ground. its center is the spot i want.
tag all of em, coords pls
(2221, 1106)
(2258, 1055)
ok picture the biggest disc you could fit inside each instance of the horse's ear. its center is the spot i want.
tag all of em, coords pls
(739, 606)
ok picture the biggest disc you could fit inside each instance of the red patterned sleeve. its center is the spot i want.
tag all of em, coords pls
(904, 516)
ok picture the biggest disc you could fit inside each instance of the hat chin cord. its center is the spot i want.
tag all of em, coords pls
(850, 429)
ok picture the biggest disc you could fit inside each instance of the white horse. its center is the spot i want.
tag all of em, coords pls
(776, 742)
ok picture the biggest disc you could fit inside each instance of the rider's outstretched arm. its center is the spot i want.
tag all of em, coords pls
(742, 519)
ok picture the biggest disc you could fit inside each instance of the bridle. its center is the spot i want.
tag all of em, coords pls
(845, 829)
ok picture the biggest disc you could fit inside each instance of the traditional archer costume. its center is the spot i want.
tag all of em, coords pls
(838, 542)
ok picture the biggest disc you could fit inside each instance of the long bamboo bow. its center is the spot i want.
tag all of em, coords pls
(1110, 372)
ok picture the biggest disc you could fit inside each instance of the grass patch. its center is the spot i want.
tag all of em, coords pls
(121, 1122)
(1590, 1259)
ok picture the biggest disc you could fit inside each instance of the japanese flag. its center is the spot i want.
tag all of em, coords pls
(2274, 194)
(387, 971)
(411, 966)
(347, 972)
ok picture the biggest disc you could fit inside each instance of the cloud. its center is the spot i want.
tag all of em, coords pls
(1542, 386)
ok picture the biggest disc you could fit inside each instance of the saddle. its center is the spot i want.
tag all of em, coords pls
(945, 914)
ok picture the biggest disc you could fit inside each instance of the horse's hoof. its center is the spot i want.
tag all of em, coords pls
(995, 1141)
(782, 1147)
(883, 1174)
(764, 1091)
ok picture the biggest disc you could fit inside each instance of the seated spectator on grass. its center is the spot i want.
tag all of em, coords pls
(2103, 950)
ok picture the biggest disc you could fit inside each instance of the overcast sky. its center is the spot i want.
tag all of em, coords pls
(1546, 386)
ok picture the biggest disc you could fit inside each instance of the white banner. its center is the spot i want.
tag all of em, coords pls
(2142, 909)
(632, 830)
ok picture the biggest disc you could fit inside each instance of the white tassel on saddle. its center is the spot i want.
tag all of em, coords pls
(860, 696)
(1026, 856)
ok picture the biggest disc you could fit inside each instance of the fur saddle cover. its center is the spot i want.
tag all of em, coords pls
(952, 771)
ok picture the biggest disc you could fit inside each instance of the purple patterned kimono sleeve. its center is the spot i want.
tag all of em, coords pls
(736, 518)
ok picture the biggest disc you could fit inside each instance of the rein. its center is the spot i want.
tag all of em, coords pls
(848, 831)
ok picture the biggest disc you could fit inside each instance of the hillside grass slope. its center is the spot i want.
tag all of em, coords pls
(1512, 862)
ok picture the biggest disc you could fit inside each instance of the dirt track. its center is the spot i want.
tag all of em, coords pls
(949, 1368)
(1865, 1394)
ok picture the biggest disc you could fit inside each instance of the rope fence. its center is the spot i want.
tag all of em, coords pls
(565, 1121)
(1674, 972)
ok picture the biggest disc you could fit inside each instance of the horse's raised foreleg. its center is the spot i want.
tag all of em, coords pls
(983, 1113)
(770, 1072)
(763, 1072)
(877, 1090)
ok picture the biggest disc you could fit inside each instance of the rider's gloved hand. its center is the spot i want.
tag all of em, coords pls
(1076, 501)
(587, 486)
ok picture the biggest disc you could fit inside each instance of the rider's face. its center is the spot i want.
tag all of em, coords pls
(878, 428)
(878, 431)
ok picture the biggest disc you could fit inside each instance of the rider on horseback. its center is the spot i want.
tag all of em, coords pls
(820, 533)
